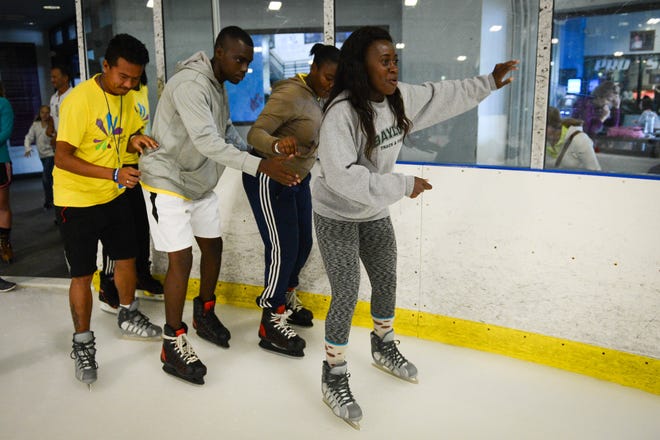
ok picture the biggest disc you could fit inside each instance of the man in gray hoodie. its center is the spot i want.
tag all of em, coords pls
(191, 126)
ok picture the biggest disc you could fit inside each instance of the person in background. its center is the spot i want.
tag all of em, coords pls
(98, 124)
(60, 78)
(648, 119)
(191, 125)
(288, 124)
(601, 110)
(6, 128)
(555, 134)
(366, 119)
(37, 135)
(108, 295)
(567, 146)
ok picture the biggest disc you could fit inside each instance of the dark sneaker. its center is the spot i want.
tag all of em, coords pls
(6, 286)
(84, 353)
(135, 325)
(151, 287)
(108, 294)
(299, 315)
(179, 358)
(388, 358)
(276, 335)
(207, 324)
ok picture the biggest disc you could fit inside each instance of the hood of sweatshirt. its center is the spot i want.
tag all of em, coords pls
(199, 62)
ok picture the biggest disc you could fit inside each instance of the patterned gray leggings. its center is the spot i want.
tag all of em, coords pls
(343, 244)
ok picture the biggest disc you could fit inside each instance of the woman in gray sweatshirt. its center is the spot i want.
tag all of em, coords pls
(367, 117)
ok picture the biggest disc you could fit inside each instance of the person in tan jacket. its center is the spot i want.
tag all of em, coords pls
(289, 124)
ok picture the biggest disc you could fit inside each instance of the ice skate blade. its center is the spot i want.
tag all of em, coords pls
(193, 380)
(407, 379)
(306, 324)
(145, 294)
(269, 346)
(352, 423)
(132, 337)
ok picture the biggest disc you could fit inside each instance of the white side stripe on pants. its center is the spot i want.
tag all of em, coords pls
(275, 254)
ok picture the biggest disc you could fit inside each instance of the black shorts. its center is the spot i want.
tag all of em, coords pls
(82, 228)
(5, 174)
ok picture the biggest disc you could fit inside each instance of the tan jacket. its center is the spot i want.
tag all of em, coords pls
(292, 110)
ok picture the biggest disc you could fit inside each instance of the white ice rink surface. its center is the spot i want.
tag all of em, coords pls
(253, 394)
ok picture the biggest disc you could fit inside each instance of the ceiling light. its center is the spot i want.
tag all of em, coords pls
(250, 70)
(653, 21)
(495, 28)
(400, 45)
(461, 58)
(618, 54)
(258, 49)
(52, 7)
(410, 2)
(275, 6)
(150, 4)
(554, 40)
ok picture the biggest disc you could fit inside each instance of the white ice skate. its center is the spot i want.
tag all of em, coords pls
(337, 394)
(387, 357)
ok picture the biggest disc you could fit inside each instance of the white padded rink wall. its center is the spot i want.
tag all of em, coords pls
(570, 256)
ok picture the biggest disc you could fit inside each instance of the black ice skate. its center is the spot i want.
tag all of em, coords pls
(108, 294)
(179, 358)
(148, 287)
(207, 323)
(299, 315)
(277, 336)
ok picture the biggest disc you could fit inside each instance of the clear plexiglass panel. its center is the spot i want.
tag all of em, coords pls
(605, 80)
(444, 40)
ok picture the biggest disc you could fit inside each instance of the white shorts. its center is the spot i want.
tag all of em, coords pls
(175, 222)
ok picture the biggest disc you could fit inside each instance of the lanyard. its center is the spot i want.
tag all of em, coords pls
(114, 129)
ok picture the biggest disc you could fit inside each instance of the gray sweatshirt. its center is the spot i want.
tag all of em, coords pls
(351, 187)
(190, 125)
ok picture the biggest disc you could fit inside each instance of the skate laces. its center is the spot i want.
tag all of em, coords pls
(279, 321)
(293, 302)
(183, 348)
(136, 322)
(82, 354)
(338, 383)
(391, 353)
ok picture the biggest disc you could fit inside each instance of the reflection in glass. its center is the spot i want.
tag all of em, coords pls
(282, 40)
(606, 72)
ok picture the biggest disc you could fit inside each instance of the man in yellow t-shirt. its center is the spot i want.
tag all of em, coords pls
(151, 288)
(98, 124)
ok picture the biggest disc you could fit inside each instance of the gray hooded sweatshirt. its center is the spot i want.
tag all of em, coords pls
(351, 187)
(190, 125)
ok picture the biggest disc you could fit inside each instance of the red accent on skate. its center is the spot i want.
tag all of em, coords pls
(262, 330)
(290, 289)
(208, 305)
(181, 331)
(280, 309)
(163, 358)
